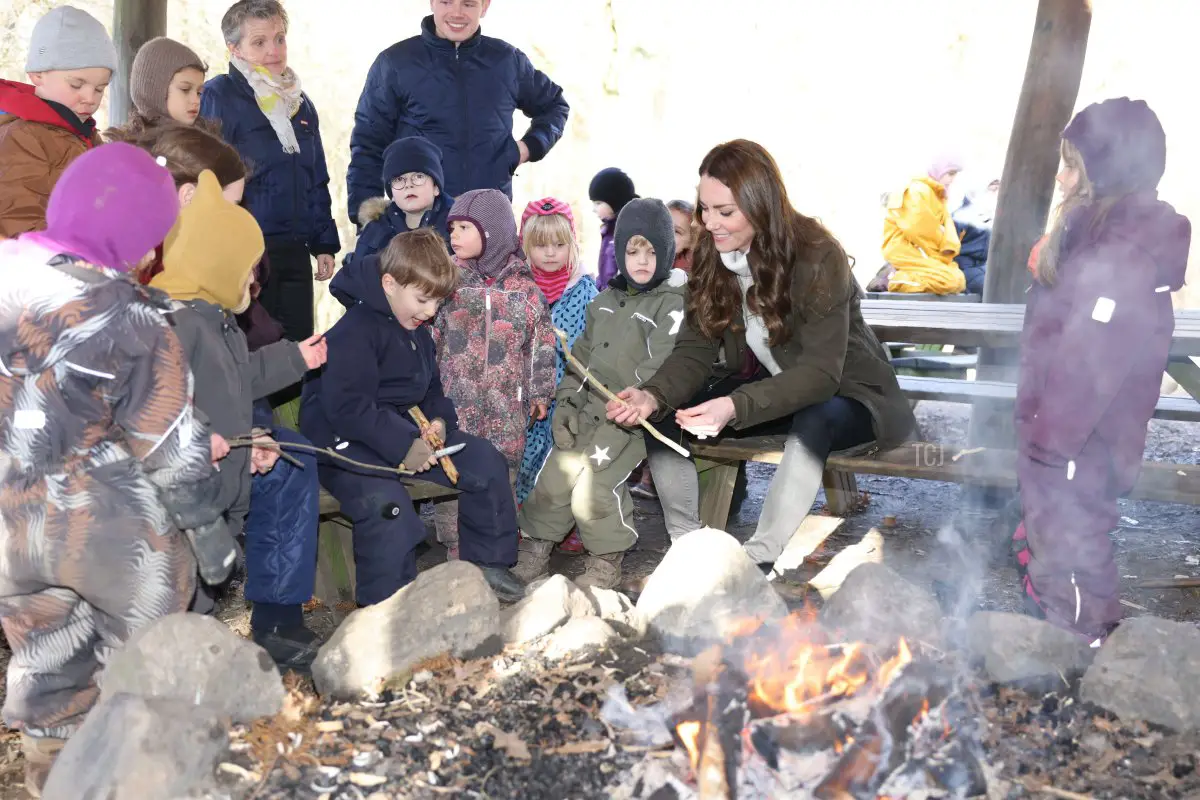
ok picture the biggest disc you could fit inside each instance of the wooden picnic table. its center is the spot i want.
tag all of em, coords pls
(996, 325)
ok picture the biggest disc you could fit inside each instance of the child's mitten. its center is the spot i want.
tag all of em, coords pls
(565, 426)
(418, 455)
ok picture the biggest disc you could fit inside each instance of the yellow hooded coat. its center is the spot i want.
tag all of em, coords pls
(212, 249)
(920, 241)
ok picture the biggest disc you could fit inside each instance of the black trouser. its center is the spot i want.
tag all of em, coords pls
(812, 434)
(287, 294)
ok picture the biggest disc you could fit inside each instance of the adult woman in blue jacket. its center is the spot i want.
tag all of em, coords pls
(272, 123)
(459, 89)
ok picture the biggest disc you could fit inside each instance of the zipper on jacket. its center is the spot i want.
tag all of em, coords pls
(487, 326)
(465, 118)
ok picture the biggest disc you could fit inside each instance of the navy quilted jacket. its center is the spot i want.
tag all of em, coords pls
(462, 98)
(288, 193)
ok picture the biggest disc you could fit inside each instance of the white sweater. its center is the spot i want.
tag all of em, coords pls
(756, 332)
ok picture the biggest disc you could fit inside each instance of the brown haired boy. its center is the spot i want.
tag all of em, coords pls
(47, 123)
(381, 364)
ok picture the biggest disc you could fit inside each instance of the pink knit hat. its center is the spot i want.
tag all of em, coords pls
(547, 207)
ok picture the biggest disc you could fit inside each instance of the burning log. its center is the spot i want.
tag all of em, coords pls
(778, 711)
(712, 740)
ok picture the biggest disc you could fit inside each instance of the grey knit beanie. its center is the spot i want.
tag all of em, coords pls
(154, 66)
(647, 217)
(67, 38)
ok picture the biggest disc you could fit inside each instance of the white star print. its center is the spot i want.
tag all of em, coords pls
(677, 320)
(600, 456)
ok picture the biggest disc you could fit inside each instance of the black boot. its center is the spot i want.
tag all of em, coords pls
(508, 587)
(291, 648)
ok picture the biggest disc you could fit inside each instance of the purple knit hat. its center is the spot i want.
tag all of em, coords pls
(1123, 146)
(111, 207)
(491, 212)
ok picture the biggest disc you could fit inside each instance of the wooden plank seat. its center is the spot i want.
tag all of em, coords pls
(1164, 482)
(927, 297)
(335, 545)
(718, 461)
(1182, 409)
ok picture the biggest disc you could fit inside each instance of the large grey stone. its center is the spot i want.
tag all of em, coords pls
(618, 611)
(579, 636)
(704, 586)
(876, 605)
(198, 660)
(1149, 669)
(1014, 648)
(552, 603)
(139, 748)
(447, 609)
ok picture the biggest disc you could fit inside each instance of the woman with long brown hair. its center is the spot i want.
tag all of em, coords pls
(772, 289)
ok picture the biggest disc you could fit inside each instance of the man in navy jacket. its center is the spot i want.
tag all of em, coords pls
(459, 89)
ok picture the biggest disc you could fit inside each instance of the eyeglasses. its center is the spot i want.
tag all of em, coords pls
(413, 179)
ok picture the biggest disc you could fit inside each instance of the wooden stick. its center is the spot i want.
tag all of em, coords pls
(247, 441)
(436, 441)
(586, 374)
(1170, 583)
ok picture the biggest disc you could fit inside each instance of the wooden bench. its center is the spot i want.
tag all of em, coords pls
(927, 297)
(718, 462)
(1170, 483)
(335, 543)
(994, 325)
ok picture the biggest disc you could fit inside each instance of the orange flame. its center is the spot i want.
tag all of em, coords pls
(689, 733)
(892, 666)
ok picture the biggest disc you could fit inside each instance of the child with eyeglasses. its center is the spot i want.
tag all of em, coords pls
(412, 184)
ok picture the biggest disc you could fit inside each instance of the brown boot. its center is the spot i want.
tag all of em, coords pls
(602, 572)
(533, 559)
(39, 753)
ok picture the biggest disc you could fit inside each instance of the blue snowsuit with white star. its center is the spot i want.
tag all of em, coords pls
(627, 336)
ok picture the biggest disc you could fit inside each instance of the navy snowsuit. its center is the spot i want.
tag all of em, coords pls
(358, 404)
(460, 97)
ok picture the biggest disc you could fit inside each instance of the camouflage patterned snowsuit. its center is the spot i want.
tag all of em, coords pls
(101, 464)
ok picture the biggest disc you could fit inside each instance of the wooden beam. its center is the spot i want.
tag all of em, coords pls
(1051, 87)
(1048, 94)
(135, 22)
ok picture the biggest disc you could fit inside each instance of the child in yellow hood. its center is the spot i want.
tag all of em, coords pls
(919, 238)
(208, 264)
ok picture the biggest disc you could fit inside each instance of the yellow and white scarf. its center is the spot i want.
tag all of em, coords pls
(278, 97)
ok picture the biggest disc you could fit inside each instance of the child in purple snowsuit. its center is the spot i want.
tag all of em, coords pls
(1097, 332)
(609, 191)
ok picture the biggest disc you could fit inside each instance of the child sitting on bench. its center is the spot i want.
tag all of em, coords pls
(382, 364)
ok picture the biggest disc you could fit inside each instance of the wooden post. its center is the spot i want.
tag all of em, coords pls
(135, 22)
(1048, 94)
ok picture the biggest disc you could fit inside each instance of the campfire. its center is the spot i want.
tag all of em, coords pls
(780, 711)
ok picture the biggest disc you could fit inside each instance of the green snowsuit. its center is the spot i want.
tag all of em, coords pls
(627, 337)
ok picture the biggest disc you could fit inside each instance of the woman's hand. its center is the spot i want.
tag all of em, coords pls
(219, 447)
(539, 409)
(315, 350)
(263, 456)
(707, 419)
(523, 149)
(324, 267)
(639, 405)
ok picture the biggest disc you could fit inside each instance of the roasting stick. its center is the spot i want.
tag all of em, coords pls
(279, 447)
(436, 441)
(586, 374)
